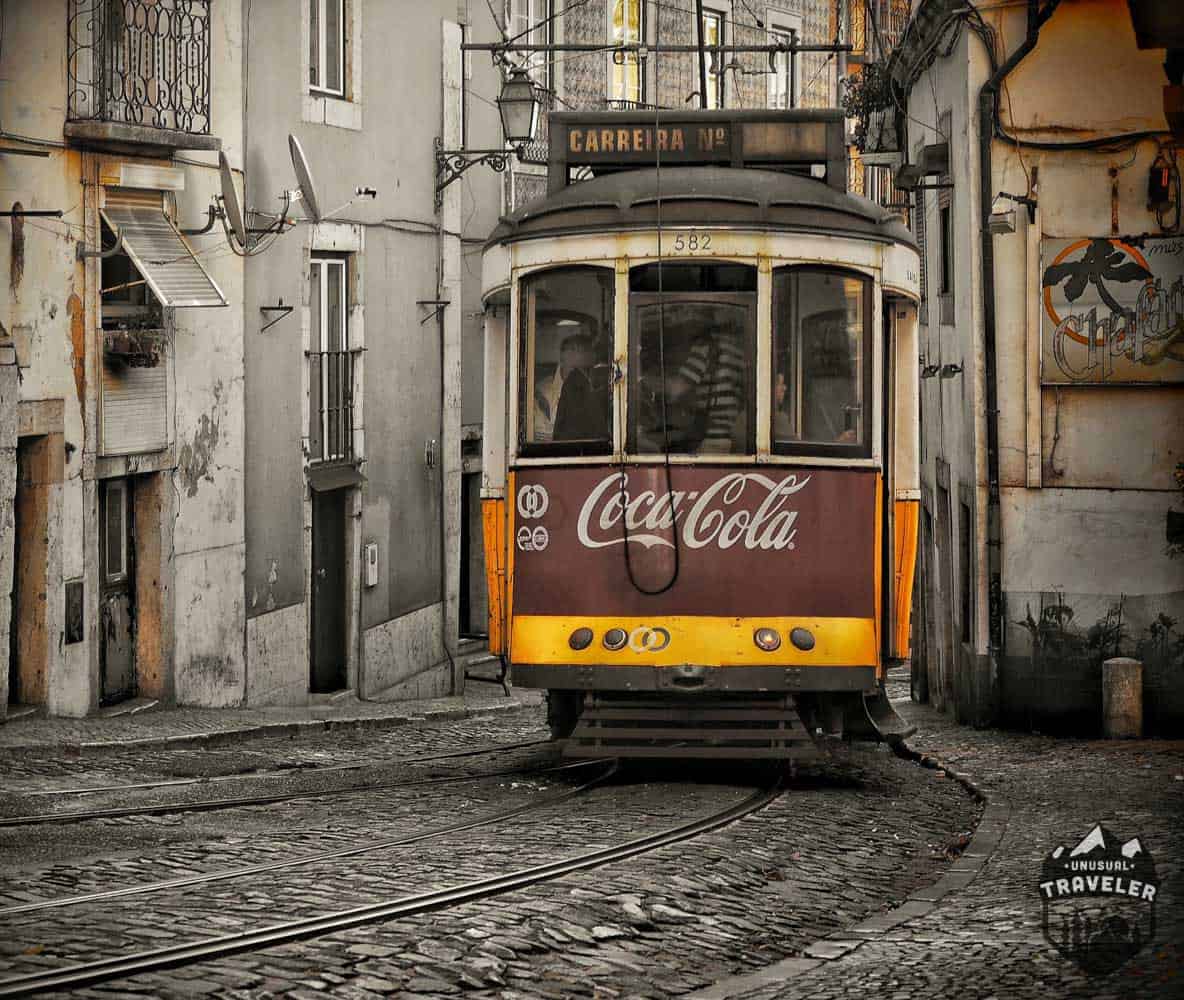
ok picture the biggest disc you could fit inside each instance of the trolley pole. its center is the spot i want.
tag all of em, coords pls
(702, 54)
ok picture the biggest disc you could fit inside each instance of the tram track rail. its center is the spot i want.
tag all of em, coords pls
(173, 956)
(243, 801)
(247, 871)
(280, 772)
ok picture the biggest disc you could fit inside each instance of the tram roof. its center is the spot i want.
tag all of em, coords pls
(702, 196)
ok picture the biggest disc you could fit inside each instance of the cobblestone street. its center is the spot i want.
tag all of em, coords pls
(856, 880)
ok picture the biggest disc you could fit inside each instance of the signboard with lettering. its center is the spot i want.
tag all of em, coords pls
(673, 141)
(773, 541)
(1112, 311)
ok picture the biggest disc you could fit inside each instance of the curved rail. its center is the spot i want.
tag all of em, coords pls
(73, 977)
(282, 772)
(305, 859)
(211, 805)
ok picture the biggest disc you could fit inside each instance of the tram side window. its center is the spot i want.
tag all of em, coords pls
(821, 378)
(566, 362)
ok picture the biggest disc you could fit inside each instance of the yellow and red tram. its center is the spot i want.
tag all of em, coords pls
(700, 483)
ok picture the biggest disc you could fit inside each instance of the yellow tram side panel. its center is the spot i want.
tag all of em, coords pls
(493, 525)
(905, 516)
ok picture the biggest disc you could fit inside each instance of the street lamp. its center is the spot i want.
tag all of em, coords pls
(518, 105)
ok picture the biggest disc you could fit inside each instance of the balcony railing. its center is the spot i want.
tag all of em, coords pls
(331, 406)
(141, 63)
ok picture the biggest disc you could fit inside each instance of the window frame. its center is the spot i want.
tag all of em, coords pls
(559, 449)
(789, 74)
(540, 26)
(637, 300)
(318, 38)
(864, 448)
(715, 81)
(319, 342)
(626, 60)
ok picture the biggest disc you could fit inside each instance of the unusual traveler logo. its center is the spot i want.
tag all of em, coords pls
(1099, 900)
(1113, 312)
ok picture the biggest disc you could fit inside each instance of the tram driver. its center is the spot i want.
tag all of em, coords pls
(710, 388)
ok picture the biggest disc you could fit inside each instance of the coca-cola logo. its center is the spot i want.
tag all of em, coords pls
(722, 514)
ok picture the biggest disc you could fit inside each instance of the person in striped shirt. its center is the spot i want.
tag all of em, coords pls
(715, 371)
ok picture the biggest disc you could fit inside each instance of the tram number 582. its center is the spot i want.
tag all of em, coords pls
(692, 242)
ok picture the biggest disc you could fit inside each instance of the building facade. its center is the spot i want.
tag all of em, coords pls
(230, 470)
(121, 495)
(1052, 361)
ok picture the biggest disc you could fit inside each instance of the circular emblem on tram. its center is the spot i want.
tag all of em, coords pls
(533, 501)
(540, 538)
(645, 639)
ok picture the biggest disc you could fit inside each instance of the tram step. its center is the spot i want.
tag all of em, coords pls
(616, 726)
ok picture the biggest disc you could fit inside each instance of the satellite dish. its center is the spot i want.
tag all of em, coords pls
(308, 190)
(230, 203)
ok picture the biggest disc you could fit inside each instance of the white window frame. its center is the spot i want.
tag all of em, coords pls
(323, 48)
(715, 80)
(321, 339)
(532, 16)
(784, 23)
(612, 40)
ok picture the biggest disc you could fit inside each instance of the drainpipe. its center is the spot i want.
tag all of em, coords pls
(987, 98)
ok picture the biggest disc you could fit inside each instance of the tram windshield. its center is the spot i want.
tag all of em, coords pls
(821, 375)
(692, 349)
(566, 362)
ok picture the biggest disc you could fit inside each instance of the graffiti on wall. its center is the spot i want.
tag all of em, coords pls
(1112, 311)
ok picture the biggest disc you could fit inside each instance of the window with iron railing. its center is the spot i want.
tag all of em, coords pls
(331, 361)
(140, 62)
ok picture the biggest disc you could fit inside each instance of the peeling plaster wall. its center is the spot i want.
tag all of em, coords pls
(1086, 473)
(51, 311)
(382, 140)
(41, 309)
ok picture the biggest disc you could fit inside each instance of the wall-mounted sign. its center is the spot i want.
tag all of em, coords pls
(1112, 311)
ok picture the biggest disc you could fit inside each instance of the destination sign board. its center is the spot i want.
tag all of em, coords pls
(700, 142)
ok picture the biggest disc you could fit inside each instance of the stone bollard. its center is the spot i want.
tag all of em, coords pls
(1122, 698)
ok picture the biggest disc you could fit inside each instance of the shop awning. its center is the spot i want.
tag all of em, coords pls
(158, 250)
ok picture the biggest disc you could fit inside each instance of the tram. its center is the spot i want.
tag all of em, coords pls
(700, 456)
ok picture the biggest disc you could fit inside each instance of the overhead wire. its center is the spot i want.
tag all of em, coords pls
(623, 481)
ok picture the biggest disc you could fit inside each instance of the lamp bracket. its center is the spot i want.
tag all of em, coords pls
(451, 163)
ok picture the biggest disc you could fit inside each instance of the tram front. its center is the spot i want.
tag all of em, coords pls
(700, 442)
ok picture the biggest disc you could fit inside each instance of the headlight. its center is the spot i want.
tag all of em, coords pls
(615, 638)
(767, 639)
(581, 638)
(803, 638)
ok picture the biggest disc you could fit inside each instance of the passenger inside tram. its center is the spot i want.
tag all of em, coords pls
(695, 376)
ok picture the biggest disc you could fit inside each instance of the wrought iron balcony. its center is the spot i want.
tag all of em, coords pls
(139, 73)
(331, 405)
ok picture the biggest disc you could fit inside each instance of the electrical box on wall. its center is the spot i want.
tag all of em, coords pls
(371, 564)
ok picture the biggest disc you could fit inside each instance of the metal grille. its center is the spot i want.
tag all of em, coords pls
(140, 62)
(331, 410)
(133, 414)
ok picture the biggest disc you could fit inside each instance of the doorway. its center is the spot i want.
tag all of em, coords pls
(28, 654)
(328, 646)
(117, 592)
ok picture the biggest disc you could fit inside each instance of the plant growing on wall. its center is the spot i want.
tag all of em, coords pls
(864, 94)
